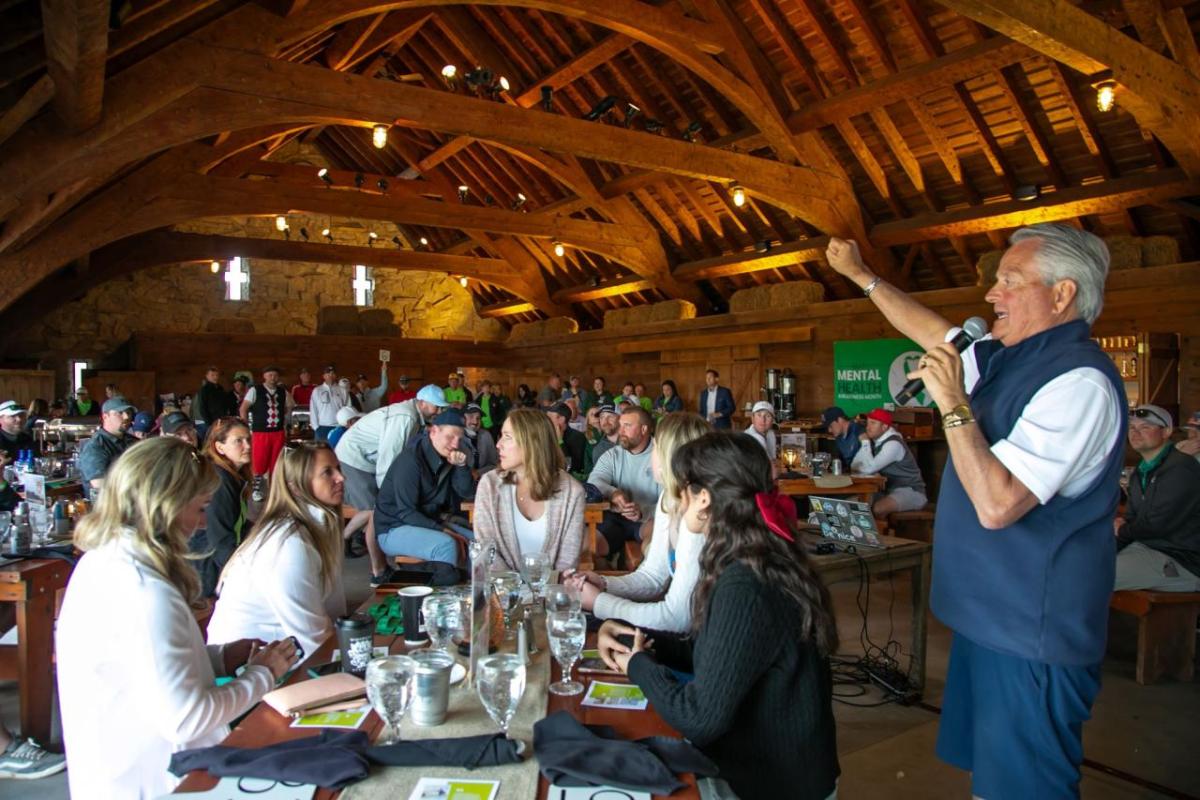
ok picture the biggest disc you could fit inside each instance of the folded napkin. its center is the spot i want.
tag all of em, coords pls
(336, 759)
(572, 754)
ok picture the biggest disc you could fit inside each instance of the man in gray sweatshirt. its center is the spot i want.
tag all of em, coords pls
(623, 475)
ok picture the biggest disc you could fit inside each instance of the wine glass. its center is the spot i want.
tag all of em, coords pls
(536, 569)
(443, 619)
(566, 630)
(561, 597)
(391, 682)
(506, 586)
(501, 682)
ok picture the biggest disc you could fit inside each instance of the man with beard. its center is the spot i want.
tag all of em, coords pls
(624, 477)
(101, 451)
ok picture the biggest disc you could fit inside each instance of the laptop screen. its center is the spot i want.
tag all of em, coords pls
(845, 520)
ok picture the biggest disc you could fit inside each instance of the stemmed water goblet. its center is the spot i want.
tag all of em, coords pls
(500, 682)
(536, 569)
(566, 631)
(562, 597)
(443, 619)
(391, 682)
(506, 586)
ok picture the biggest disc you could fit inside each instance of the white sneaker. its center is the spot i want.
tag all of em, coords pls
(27, 760)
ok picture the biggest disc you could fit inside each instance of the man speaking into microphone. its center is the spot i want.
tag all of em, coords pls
(1034, 416)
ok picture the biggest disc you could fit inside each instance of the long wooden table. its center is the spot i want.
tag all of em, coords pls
(264, 726)
(33, 584)
(896, 556)
(861, 488)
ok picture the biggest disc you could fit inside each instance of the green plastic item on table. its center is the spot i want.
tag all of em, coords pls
(389, 620)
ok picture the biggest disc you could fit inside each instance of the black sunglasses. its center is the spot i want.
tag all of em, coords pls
(1144, 413)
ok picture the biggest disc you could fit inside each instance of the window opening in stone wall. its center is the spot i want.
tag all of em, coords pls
(237, 280)
(363, 285)
(77, 368)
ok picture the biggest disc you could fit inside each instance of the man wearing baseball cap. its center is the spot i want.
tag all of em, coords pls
(456, 395)
(102, 450)
(762, 427)
(884, 452)
(142, 426)
(418, 503)
(13, 436)
(610, 426)
(346, 417)
(402, 392)
(324, 403)
(266, 406)
(846, 433)
(1158, 537)
(179, 425)
(1191, 445)
(477, 442)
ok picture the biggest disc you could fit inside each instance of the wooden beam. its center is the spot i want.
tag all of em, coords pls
(938, 73)
(506, 309)
(786, 255)
(611, 288)
(349, 39)
(602, 52)
(27, 107)
(76, 36)
(1098, 198)
(775, 335)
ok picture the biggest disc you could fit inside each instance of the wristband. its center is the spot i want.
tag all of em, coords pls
(870, 287)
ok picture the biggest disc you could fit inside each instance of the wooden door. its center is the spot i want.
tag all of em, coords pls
(738, 367)
(25, 385)
(136, 387)
(1158, 371)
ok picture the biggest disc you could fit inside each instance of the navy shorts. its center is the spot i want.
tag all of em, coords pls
(1015, 724)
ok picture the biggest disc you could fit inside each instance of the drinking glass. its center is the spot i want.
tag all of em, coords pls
(390, 684)
(443, 619)
(566, 630)
(561, 597)
(500, 683)
(506, 586)
(536, 569)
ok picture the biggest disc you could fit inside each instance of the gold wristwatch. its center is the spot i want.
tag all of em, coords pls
(959, 415)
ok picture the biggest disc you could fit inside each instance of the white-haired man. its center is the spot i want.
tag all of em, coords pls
(1024, 552)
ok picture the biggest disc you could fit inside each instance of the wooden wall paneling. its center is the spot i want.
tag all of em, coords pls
(138, 387)
(25, 385)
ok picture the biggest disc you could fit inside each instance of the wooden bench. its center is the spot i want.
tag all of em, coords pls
(915, 525)
(1166, 632)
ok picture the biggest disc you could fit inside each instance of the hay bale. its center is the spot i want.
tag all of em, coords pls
(559, 326)
(1125, 252)
(616, 318)
(672, 310)
(522, 331)
(641, 315)
(796, 293)
(756, 298)
(378, 322)
(1160, 250)
(986, 267)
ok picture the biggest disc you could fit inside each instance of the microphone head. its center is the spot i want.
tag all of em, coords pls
(976, 328)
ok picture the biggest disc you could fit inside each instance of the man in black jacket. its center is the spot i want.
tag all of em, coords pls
(210, 403)
(420, 497)
(1159, 535)
(572, 442)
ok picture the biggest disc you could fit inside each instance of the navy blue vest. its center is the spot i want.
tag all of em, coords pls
(1039, 588)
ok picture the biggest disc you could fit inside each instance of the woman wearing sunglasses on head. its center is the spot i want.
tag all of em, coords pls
(285, 579)
(135, 680)
(762, 632)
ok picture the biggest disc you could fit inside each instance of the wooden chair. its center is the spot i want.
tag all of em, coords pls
(915, 525)
(1166, 643)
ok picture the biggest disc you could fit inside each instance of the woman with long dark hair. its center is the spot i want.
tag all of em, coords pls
(227, 447)
(525, 397)
(669, 400)
(762, 633)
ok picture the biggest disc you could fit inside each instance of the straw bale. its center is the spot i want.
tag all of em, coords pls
(986, 266)
(616, 318)
(756, 298)
(671, 310)
(796, 293)
(1160, 250)
(1125, 252)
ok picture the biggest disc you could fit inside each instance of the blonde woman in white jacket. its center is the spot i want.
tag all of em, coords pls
(658, 595)
(135, 680)
(285, 579)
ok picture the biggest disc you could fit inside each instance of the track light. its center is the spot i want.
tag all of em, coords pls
(763, 246)
(547, 98)
(739, 195)
(652, 125)
(478, 78)
(559, 249)
(281, 223)
(503, 84)
(359, 180)
(371, 237)
(450, 75)
(463, 191)
(382, 184)
(328, 234)
(379, 136)
(463, 281)
(304, 234)
(1027, 192)
(323, 174)
(1106, 94)
(215, 267)
(287, 234)
(631, 111)
(424, 242)
(396, 241)
(605, 106)
(689, 134)
(519, 202)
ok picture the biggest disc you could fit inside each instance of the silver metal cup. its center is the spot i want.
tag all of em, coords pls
(432, 695)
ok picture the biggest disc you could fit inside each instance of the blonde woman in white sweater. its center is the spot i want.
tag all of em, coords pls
(135, 681)
(657, 596)
(285, 579)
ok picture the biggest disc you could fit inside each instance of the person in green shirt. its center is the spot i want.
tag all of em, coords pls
(639, 390)
(456, 394)
(495, 407)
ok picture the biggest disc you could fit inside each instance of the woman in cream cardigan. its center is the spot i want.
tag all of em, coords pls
(530, 504)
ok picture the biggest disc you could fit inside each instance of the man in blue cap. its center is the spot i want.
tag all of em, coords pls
(420, 498)
(142, 426)
(102, 450)
(847, 434)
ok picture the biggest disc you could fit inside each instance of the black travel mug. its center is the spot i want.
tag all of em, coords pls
(356, 637)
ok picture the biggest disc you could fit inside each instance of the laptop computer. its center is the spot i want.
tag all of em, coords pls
(845, 521)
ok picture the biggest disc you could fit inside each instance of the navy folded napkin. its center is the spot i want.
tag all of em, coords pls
(572, 754)
(336, 759)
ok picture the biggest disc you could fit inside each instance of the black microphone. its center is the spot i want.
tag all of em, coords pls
(972, 329)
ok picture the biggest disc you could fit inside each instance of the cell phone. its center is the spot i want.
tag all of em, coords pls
(593, 663)
(327, 668)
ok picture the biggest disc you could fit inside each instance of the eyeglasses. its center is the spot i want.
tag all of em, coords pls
(1144, 413)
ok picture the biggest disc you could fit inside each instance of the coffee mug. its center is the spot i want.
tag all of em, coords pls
(411, 598)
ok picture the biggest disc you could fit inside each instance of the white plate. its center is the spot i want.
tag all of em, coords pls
(457, 674)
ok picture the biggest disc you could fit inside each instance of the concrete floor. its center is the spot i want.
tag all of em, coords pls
(887, 751)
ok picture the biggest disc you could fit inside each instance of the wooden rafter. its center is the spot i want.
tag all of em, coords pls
(76, 34)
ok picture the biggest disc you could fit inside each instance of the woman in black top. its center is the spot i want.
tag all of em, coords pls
(762, 632)
(227, 446)
(525, 397)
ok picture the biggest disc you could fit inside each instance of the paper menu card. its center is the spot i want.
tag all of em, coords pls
(602, 694)
(454, 789)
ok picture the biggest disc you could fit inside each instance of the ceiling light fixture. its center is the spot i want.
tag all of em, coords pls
(689, 134)
(215, 267)
(396, 241)
(463, 191)
(382, 184)
(519, 202)
(424, 242)
(559, 249)
(1106, 94)
(547, 98)
(328, 234)
(763, 246)
(359, 180)
(652, 125)
(281, 223)
(379, 136)
(371, 237)
(503, 84)
(631, 111)
(304, 234)
(602, 108)
(450, 75)
(323, 174)
(739, 195)
(463, 281)
(1027, 192)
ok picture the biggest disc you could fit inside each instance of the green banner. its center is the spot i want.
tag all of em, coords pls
(868, 374)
